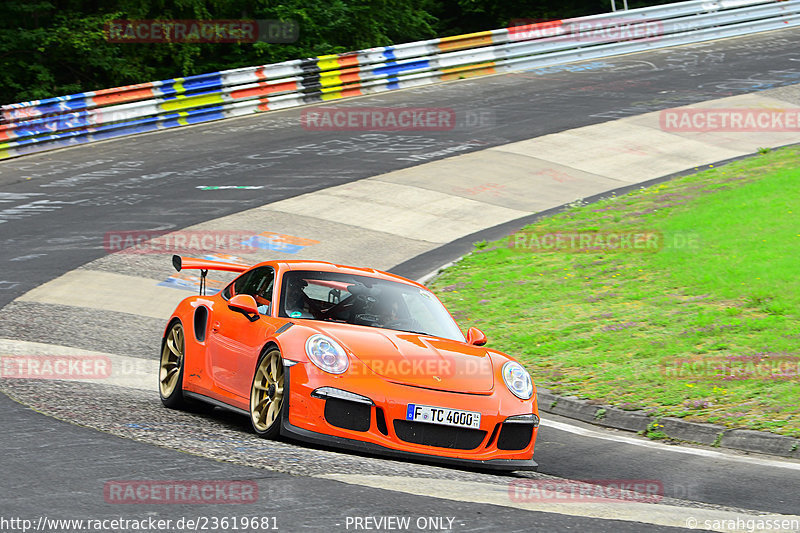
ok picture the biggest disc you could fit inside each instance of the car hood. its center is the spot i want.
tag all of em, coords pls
(416, 359)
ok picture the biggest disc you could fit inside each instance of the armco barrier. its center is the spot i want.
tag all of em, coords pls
(98, 115)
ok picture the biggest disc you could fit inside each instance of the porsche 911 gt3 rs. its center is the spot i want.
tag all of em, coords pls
(348, 357)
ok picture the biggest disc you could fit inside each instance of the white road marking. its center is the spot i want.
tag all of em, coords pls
(108, 291)
(702, 452)
(550, 502)
(125, 371)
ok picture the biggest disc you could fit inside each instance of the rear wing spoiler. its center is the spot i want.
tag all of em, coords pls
(204, 265)
(191, 263)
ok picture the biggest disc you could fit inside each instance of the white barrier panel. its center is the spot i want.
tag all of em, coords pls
(98, 115)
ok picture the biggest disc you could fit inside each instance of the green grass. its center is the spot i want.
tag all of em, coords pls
(724, 289)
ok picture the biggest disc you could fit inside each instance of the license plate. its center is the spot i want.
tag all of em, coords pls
(443, 416)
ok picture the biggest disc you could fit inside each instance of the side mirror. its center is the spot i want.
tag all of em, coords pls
(244, 303)
(476, 337)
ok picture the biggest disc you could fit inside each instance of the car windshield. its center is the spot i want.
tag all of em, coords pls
(365, 301)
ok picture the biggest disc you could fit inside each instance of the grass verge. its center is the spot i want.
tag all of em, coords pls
(701, 323)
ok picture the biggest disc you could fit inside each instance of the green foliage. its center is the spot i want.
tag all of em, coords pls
(57, 47)
(466, 16)
(722, 291)
(654, 431)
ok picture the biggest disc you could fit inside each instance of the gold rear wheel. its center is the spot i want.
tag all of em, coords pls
(170, 374)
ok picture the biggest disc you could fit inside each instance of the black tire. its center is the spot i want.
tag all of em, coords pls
(267, 401)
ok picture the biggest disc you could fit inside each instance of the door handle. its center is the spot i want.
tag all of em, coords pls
(215, 327)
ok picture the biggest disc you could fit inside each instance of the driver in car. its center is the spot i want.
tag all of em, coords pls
(297, 303)
(394, 314)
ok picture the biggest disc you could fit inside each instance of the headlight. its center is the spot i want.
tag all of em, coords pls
(326, 354)
(517, 380)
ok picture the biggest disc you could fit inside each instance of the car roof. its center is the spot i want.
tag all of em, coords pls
(326, 266)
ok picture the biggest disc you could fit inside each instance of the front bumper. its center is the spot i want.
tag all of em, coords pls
(305, 419)
(502, 465)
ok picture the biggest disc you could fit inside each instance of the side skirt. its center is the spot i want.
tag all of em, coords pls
(214, 402)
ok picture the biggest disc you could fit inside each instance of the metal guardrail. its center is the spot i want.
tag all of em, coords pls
(99, 115)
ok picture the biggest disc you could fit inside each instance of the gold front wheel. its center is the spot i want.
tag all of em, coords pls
(266, 395)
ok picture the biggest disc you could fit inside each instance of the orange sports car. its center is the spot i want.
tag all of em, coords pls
(348, 357)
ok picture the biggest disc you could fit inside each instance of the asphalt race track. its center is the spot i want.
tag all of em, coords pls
(56, 208)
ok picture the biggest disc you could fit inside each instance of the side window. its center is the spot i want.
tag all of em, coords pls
(257, 283)
(236, 285)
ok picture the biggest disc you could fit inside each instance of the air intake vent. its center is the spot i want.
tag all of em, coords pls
(347, 415)
(439, 436)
